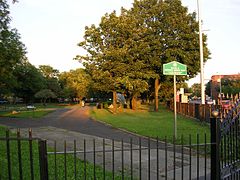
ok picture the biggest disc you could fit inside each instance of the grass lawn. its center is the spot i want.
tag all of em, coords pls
(154, 124)
(20, 110)
(51, 163)
(26, 114)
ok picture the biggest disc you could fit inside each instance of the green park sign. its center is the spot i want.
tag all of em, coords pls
(174, 68)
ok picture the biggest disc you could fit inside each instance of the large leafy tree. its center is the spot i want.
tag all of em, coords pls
(77, 82)
(114, 58)
(127, 50)
(11, 48)
(51, 76)
(30, 81)
(173, 35)
(196, 89)
(44, 95)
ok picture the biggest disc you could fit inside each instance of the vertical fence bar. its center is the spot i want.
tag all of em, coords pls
(182, 157)
(237, 138)
(122, 160)
(104, 159)
(43, 162)
(215, 163)
(197, 156)
(174, 157)
(19, 154)
(190, 156)
(94, 159)
(65, 160)
(113, 159)
(149, 164)
(8, 155)
(31, 153)
(140, 158)
(166, 160)
(228, 148)
(205, 156)
(225, 150)
(85, 159)
(222, 153)
(131, 158)
(230, 144)
(55, 160)
(75, 158)
(157, 160)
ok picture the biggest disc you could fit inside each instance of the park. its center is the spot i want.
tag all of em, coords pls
(128, 112)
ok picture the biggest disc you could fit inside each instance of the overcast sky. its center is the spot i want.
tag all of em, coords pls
(51, 29)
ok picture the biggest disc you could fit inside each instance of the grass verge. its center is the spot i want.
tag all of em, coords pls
(21, 111)
(60, 161)
(154, 124)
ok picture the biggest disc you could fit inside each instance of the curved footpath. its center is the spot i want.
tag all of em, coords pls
(75, 124)
(75, 119)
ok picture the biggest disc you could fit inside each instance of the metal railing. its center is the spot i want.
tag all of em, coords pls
(108, 159)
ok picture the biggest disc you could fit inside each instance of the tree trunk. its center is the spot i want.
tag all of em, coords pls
(156, 89)
(134, 102)
(114, 102)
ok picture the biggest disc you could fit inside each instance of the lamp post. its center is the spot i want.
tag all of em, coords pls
(201, 54)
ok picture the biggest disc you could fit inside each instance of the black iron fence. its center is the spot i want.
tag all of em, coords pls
(22, 157)
(225, 132)
(104, 159)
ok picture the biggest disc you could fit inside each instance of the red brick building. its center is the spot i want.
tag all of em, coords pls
(215, 83)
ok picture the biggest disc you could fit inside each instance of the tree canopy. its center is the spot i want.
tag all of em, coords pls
(11, 48)
(77, 82)
(125, 51)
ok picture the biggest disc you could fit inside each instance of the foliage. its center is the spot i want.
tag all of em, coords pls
(208, 88)
(196, 89)
(114, 58)
(45, 94)
(48, 71)
(230, 86)
(11, 48)
(76, 83)
(125, 51)
(51, 77)
(29, 81)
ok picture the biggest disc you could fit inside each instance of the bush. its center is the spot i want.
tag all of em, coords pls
(105, 105)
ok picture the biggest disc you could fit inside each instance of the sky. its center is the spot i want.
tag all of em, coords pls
(51, 30)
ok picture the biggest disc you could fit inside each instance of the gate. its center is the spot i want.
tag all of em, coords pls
(225, 142)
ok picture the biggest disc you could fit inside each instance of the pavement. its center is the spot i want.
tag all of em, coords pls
(69, 124)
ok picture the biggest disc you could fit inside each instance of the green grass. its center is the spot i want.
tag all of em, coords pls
(51, 163)
(22, 112)
(154, 124)
(27, 114)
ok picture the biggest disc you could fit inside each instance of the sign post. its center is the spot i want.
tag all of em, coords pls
(174, 68)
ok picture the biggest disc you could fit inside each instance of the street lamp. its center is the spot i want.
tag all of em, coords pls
(201, 53)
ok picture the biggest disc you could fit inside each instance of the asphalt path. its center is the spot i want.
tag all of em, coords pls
(77, 119)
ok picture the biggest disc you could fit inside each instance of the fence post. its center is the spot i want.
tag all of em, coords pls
(43, 162)
(215, 146)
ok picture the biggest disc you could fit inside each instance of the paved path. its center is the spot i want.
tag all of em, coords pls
(73, 119)
(74, 123)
